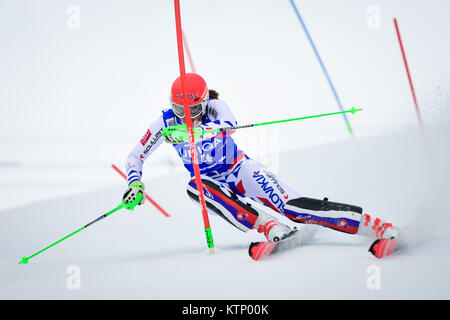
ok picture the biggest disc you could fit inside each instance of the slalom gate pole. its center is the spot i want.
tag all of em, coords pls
(193, 149)
(191, 61)
(408, 73)
(322, 65)
(25, 259)
(153, 202)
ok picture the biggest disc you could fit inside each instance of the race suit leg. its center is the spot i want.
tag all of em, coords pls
(222, 200)
(251, 179)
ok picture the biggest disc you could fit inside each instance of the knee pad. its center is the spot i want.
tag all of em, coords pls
(322, 205)
(338, 216)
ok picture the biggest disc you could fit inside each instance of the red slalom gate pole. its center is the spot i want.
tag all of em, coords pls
(187, 110)
(191, 61)
(408, 73)
(164, 212)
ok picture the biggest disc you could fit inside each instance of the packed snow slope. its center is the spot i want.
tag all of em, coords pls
(74, 101)
(402, 177)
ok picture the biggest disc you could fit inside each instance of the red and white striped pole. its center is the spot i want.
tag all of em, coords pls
(193, 149)
(408, 73)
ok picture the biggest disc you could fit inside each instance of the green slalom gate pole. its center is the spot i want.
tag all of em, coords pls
(25, 259)
(180, 131)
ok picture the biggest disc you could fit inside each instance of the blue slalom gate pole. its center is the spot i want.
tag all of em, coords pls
(322, 65)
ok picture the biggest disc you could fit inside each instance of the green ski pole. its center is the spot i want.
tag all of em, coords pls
(180, 131)
(352, 111)
(25, 259)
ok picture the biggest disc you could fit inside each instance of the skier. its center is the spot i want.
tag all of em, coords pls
(233, 181)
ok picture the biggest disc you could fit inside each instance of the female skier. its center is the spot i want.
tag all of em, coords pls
(232, 181)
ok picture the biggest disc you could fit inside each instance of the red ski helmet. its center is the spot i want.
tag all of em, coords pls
(197, 93)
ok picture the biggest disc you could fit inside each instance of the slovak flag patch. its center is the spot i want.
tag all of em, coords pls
(145, 138)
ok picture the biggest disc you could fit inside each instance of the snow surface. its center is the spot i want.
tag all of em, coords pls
(144, 255)
(73, 102)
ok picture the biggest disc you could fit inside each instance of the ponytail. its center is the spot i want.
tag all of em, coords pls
(213, 94)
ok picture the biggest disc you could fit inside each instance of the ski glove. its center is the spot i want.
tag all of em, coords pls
(178, 134)
(134, 195)
(172, 139)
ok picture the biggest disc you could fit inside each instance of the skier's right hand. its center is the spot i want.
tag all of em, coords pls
(178, 134)
(172, 139)
(134, 195)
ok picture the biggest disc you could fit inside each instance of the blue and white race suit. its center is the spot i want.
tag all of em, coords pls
(237, 175)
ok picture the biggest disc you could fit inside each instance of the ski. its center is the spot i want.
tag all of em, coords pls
(263, 249)
(381, 248)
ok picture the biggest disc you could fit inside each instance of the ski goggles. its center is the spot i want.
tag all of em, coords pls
(196, 109)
